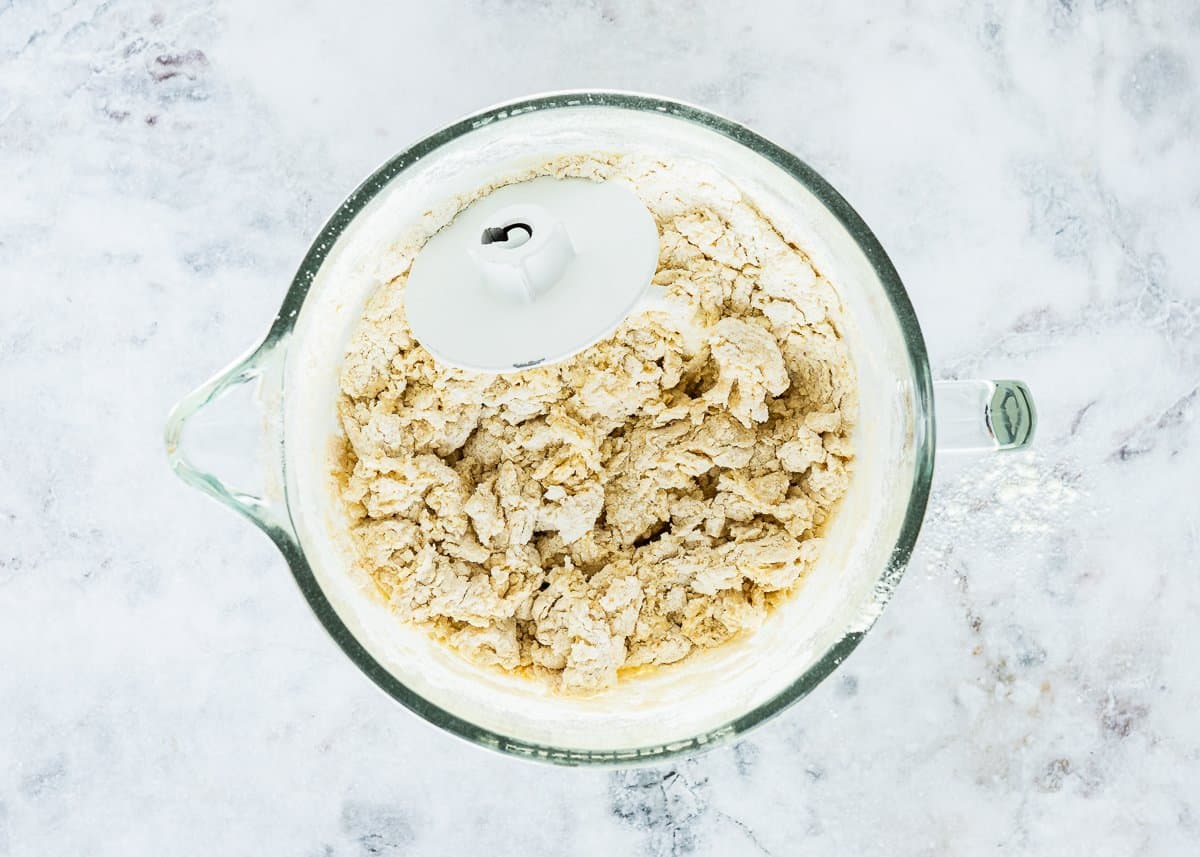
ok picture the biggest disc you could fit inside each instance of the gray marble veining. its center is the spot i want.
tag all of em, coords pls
(1032, 167)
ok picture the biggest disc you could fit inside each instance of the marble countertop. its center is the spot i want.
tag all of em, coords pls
(1034, 170)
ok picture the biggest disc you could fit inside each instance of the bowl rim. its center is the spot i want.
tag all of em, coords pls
(923, 427)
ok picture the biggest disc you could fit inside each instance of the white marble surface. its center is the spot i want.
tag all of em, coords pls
(1034, 170)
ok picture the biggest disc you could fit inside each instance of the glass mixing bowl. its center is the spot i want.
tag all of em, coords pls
(714, 695)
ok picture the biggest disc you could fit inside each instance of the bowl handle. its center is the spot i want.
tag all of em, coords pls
(973, 416)
(266, 509)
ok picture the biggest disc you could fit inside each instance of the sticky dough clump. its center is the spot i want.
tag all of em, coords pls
(651, 496)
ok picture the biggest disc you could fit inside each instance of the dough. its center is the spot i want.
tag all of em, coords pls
(653, 495)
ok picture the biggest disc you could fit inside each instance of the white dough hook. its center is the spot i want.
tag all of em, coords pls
(533, 273)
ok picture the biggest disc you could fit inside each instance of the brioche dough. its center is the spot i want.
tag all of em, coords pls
(648, 497)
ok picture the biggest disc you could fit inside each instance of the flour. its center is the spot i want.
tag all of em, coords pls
(653, 495)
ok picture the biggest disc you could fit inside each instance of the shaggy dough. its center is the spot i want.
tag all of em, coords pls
(652, 495)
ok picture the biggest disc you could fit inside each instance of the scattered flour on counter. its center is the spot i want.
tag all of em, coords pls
(652, 495)
(1027, 497)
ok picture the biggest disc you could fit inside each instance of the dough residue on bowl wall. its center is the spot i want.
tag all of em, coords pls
(652, 495)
